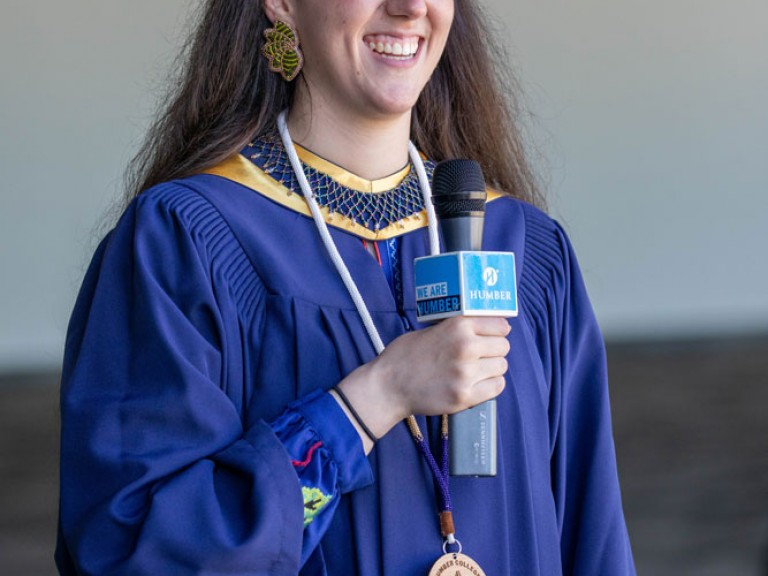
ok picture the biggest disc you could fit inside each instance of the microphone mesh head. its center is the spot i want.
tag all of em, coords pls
(458, 189)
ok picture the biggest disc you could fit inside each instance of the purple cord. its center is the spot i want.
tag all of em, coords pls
(440, 474)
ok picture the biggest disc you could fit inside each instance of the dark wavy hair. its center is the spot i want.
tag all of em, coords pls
(225, 94)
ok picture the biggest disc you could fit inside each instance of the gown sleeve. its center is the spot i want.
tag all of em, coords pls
(309, 429)
(593, 534)
(160, 474)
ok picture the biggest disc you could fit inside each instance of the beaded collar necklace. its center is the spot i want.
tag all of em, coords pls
(372, 208)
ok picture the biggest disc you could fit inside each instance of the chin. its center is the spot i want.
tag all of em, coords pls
(393, 107)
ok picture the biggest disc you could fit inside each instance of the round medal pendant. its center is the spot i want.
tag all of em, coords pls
(456, 564)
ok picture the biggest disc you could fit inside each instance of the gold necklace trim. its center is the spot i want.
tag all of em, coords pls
(346, 178)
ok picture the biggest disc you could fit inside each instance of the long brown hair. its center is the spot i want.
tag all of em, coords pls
(225, 94)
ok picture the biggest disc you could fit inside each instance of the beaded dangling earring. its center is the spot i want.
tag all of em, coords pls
(282, 50)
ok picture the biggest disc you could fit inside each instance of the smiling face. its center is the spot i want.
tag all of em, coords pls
(369, 58)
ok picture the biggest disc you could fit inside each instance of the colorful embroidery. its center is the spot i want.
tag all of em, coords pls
(314, 501)
(308, 459)
(282, 50)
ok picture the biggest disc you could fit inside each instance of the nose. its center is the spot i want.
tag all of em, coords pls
(408, 8)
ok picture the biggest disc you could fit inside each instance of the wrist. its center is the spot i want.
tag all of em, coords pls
(375, 403)
(352, 412)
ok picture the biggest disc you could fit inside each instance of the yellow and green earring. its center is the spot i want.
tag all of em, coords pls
(282, 50)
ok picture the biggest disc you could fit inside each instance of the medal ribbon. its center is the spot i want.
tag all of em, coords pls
(439, 474)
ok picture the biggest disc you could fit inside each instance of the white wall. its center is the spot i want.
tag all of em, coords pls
(657, 112)
(652, 113)
(78, 85)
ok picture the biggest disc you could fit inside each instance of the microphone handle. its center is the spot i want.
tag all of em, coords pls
(463, 233)
(473, 440)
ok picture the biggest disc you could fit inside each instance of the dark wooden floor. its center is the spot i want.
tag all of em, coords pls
(691, 427)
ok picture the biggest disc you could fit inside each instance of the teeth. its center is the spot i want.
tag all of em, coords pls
(406, 48)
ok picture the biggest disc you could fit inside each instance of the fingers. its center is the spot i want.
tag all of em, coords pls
(472, 325)
(491, 347)
(476, 382)
(488, 326)
(488, 389)
(493, 367)
(469, 338)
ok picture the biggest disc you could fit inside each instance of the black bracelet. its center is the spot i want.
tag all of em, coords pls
(354, 413)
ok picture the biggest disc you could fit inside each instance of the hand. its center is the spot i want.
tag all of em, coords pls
(443, 369)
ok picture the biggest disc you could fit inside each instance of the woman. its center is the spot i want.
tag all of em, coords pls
(221, 390)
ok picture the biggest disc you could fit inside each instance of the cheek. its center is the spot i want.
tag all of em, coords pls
(313, 27)
(444, 10)
(442, 20)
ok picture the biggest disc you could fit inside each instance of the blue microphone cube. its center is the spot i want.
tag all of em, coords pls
(465, 284)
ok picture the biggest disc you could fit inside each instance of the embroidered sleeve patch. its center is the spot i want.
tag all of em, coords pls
(314, 502)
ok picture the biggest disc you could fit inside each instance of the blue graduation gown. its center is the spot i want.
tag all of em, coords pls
(211, 306)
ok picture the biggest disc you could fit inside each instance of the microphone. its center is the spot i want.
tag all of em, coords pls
(458, 194)
(465, 281)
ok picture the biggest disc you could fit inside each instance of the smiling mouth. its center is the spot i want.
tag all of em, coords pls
(395, 48)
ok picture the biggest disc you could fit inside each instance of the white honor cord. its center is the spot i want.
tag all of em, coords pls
(426, 190)
(325, 235)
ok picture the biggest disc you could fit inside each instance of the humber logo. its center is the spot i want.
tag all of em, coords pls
(490, 276)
